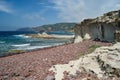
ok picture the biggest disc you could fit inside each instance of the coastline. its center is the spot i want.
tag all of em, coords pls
(50, 36)
(16, 52)
(17, 43)
(35, 64)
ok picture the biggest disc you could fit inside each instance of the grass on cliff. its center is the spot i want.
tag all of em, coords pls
(91, 48)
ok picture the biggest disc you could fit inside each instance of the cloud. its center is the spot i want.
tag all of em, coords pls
(34, 16)
(111, 5)
(5, 7)
(77, 10)
(69, 9)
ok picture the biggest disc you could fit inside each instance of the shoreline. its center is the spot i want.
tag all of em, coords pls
(35, 64)
(7, 54)
(49, 36)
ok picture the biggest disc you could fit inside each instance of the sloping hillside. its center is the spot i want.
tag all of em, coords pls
(50, 27)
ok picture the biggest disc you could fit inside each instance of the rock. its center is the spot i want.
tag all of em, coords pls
(87, 36)
(78, 39)
(103, 28)
(103, 62)
(50, 78)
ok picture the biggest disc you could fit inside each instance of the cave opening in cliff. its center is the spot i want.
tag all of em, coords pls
(119, 14)
(119, 24)
(102, 31)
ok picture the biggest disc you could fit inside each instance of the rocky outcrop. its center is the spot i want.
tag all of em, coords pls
(43, 35)
(104, 63)
(104, 28)
(50, 36)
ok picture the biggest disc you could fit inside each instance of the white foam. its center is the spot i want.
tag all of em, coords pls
(33, 47)
(37, 47)
(21, 45)
(2, 42)
(22, 36)
(28, 47)
(63, 36)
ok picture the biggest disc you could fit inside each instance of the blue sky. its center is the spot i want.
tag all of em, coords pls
(30, 13)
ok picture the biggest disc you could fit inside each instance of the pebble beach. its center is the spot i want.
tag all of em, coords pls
(35, 65)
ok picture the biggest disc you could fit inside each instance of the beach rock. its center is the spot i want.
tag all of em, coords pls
(104, 62)
(78, 39)
(50, 36)
(50, 78)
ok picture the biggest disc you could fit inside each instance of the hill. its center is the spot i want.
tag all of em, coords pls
(50, 27)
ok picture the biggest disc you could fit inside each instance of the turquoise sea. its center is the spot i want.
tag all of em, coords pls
(15, 40)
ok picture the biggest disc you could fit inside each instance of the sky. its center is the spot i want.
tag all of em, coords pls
(16, 14)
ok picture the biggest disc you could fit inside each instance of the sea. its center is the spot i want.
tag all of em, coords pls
(16, 40)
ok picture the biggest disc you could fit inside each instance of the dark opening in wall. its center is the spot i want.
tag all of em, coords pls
(119, 24)
(119, 14)
(102, 30)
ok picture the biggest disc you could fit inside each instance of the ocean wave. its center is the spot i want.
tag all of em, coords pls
(21, 45)
(22, 36)
(1, 42)
(37, 47)
(33, 47)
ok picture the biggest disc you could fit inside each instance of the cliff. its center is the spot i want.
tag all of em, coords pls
(97, 28)
(110, 17)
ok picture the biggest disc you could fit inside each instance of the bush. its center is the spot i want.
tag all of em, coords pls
(93, 47)
(16, 51)
(90, 50)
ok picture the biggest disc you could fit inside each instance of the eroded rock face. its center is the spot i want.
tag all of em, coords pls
(103, 62)
(78, 39)
(104, 28)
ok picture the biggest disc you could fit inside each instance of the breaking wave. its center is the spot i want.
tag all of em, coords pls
(1, 42)
(21, 45)
(22, 36)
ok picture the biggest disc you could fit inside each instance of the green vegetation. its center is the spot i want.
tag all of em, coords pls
(16, 51)
(12, 52)
(93, 47)
(51, 27)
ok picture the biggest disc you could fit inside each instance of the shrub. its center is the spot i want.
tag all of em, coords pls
(93, 47)
(16, 51)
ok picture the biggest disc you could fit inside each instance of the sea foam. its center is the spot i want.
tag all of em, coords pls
(33, 47)
(37, 47)
(2, 42)
(22, 36)
(21, 45)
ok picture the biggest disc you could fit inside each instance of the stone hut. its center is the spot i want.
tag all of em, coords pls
(103, 28)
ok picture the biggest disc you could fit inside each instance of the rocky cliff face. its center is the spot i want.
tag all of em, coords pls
(99, 26)
(102, 64)
(109, 17)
